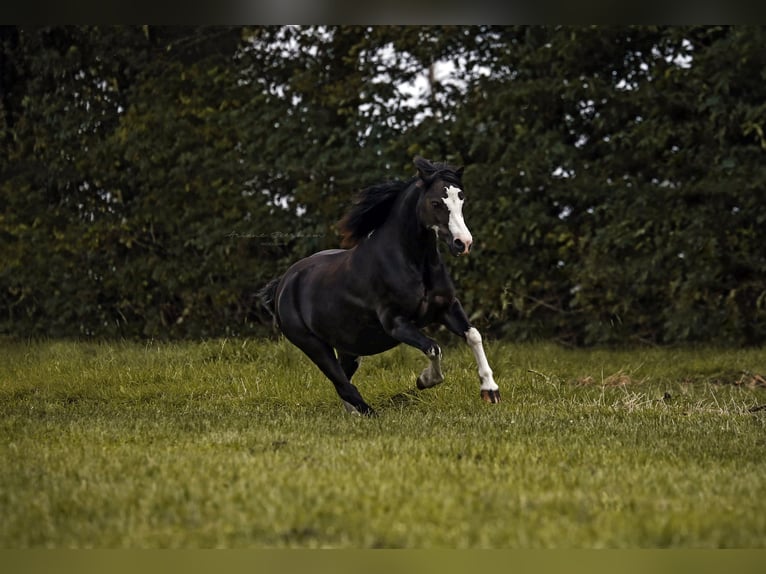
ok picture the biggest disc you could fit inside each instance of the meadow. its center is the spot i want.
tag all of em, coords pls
(243, 444)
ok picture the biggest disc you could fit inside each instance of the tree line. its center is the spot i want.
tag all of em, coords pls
(154, 177)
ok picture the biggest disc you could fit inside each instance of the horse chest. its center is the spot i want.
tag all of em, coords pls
(437, 293)
(433, 303)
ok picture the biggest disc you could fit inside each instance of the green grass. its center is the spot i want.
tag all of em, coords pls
(236, 443)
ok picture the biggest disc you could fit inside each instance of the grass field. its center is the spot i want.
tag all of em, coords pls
(243, 443)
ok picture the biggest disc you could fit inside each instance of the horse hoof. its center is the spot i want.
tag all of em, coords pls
(490, 396)
(422, 385)
(362, 410)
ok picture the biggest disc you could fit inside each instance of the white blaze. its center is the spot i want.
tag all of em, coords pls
(457, 226)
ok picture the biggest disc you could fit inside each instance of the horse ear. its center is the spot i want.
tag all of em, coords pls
(425, 168)
(459, 172)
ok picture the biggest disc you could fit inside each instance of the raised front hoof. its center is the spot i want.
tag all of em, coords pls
(490, 396)
(364, 410)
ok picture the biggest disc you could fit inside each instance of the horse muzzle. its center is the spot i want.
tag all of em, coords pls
(460, 246)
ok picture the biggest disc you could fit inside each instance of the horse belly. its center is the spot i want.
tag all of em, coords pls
(360, 334)
(369, 342)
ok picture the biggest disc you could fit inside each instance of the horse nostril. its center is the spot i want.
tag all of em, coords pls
(459, 245)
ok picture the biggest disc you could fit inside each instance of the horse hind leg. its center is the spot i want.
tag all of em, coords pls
(323, 357)
(349, 364)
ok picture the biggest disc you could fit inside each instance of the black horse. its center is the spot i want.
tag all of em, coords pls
(388, 284)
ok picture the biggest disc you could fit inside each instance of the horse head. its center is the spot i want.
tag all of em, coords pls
(440, 207)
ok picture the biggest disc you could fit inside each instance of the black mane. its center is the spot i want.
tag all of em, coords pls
(373, 204)
(370, 210)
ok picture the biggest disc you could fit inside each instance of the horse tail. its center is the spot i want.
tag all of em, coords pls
(267, 296)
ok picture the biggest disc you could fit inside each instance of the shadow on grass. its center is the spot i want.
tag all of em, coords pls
(408, 398)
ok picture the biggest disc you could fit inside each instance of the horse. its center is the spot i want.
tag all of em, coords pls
(385, 284)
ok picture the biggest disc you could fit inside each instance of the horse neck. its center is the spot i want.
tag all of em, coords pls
(403, 229)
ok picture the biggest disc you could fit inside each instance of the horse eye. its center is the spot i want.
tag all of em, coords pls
(437, 204)
(460, 195)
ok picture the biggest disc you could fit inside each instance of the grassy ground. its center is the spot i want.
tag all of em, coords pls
(236, 443)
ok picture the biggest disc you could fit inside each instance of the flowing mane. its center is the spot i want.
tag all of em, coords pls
(369, 211)
(373, 204)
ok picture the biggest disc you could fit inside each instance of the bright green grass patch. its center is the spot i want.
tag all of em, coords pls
(237, 443)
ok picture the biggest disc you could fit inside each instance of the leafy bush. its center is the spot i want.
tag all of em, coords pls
(153, 178)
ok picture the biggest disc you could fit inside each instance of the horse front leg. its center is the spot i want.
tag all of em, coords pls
(456, 321)
(490, 392)
(405, 331)
(432, 374)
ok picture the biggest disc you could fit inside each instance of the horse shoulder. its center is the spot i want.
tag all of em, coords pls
(398, 291)
(438, 281)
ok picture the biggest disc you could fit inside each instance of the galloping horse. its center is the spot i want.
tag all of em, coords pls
(386, 285)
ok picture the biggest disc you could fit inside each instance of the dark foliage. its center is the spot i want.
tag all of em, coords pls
(153, 178)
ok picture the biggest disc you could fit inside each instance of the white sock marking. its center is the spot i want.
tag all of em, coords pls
(473, 337)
